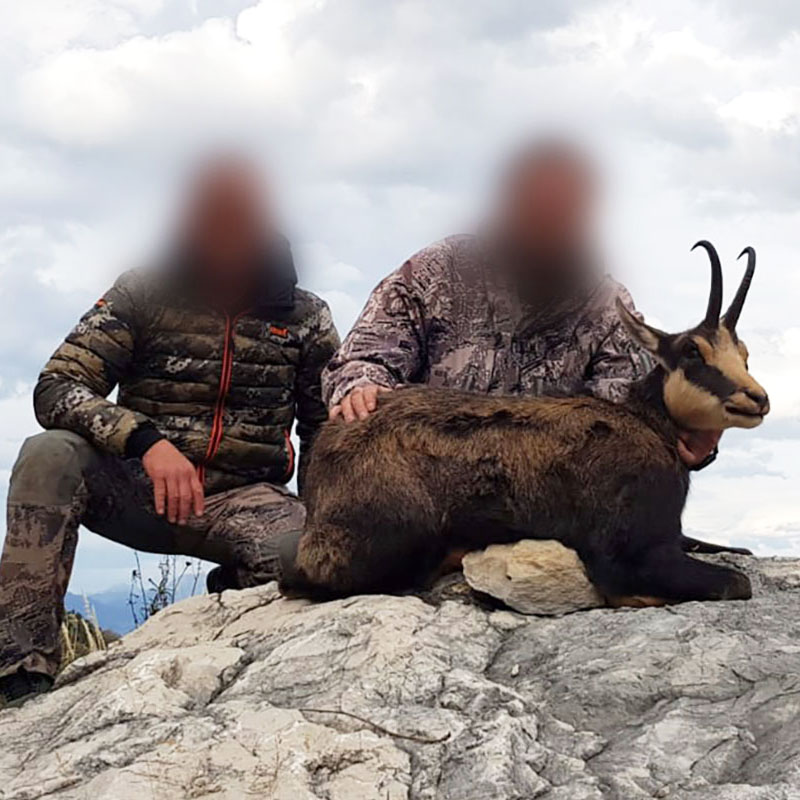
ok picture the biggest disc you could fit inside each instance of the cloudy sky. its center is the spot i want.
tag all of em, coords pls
(379, 123)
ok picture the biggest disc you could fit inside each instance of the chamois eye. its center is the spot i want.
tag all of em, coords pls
(691, 351)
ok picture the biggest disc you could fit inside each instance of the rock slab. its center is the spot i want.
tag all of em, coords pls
(532, 577)
(246, 694)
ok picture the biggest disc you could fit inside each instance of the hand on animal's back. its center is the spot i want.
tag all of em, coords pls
(358, 404)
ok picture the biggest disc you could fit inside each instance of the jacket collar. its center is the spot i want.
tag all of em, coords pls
(276, 282)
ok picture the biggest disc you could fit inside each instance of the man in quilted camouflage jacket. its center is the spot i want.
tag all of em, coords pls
(214, 354)
(523, 307)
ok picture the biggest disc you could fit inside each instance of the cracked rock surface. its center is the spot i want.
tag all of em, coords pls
(241, 695)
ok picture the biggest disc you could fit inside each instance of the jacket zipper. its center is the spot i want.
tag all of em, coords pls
(217, 426)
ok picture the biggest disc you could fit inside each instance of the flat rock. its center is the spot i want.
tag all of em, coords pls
(532, 577)
(246, 694)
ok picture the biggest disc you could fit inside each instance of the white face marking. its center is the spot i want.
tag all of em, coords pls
(696, 408)
(691, 406)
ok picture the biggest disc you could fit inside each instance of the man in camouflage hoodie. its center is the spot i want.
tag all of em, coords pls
(214, 355)
(520, 309)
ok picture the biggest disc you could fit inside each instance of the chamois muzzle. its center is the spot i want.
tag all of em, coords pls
(715, 295)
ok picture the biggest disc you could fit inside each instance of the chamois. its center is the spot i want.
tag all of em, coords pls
(436, 472)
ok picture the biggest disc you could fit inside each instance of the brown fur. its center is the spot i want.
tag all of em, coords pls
(433, 472)
(437, 471)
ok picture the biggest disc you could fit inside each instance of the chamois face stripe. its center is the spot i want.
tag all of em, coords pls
(729, 357)
(707, 385)
(710, 378)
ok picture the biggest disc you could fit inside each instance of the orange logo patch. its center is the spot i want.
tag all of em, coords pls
(276, 331)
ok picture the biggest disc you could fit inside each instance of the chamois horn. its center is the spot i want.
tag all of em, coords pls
(732, 314)
(715, 296)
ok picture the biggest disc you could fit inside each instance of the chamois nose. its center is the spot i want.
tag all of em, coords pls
(757, 397)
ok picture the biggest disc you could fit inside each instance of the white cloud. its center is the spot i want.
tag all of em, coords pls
(380, 122)
(771, 110)
(46, 26)
(754, 508)
(322, 269)
(344, 307)
(16, 423)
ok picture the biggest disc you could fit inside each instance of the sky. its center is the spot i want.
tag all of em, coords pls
(380, 125)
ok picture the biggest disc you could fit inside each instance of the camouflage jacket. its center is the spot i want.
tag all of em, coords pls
(224, 390)
(444, 319)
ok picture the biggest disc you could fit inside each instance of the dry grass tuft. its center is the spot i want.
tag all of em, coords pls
(81, 635)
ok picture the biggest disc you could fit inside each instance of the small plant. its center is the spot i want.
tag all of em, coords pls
(148, 597)
(81, 635)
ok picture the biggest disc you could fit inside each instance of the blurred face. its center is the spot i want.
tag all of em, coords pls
(546, 216)
(227, 223)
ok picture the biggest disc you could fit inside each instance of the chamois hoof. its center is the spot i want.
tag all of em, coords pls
(739, 587)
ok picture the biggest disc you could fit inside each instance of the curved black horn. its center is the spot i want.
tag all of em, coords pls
(715, 296)
(732, 314)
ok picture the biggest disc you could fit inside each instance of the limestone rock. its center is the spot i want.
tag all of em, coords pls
(246, 694)
(532, 577)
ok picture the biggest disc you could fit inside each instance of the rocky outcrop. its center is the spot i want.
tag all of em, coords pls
(532, 576)
(246, 694)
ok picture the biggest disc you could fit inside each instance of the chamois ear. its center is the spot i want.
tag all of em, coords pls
(647, 337)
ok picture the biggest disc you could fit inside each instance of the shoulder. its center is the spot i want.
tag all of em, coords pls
(121, 302)
(599, 323)
(310, 311)
(130, 281)
(135, 286)
(308, 303)
(445, 252)
(618, 291)
(435, 262)
(601, 310)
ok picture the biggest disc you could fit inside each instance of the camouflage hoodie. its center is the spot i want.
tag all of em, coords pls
(443, 318)
(225, 390)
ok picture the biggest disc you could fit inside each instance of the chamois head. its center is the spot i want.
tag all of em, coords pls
(707, 385)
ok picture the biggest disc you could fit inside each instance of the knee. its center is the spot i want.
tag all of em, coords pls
(49, 464)
(57, 447)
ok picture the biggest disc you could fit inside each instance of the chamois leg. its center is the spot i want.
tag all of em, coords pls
(665, 575)
(331, 561)
(690, 545)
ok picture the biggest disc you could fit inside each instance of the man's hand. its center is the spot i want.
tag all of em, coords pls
(696, 446)
(175, 482)
(359, 403)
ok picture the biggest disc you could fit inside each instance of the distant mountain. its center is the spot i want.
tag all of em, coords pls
(112, 606)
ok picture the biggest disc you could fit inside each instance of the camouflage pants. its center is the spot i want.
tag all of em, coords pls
(59, 482)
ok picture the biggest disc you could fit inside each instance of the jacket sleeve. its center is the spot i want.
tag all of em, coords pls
(320, 344)
(386, 345)
(72, 388)
(617, 361)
